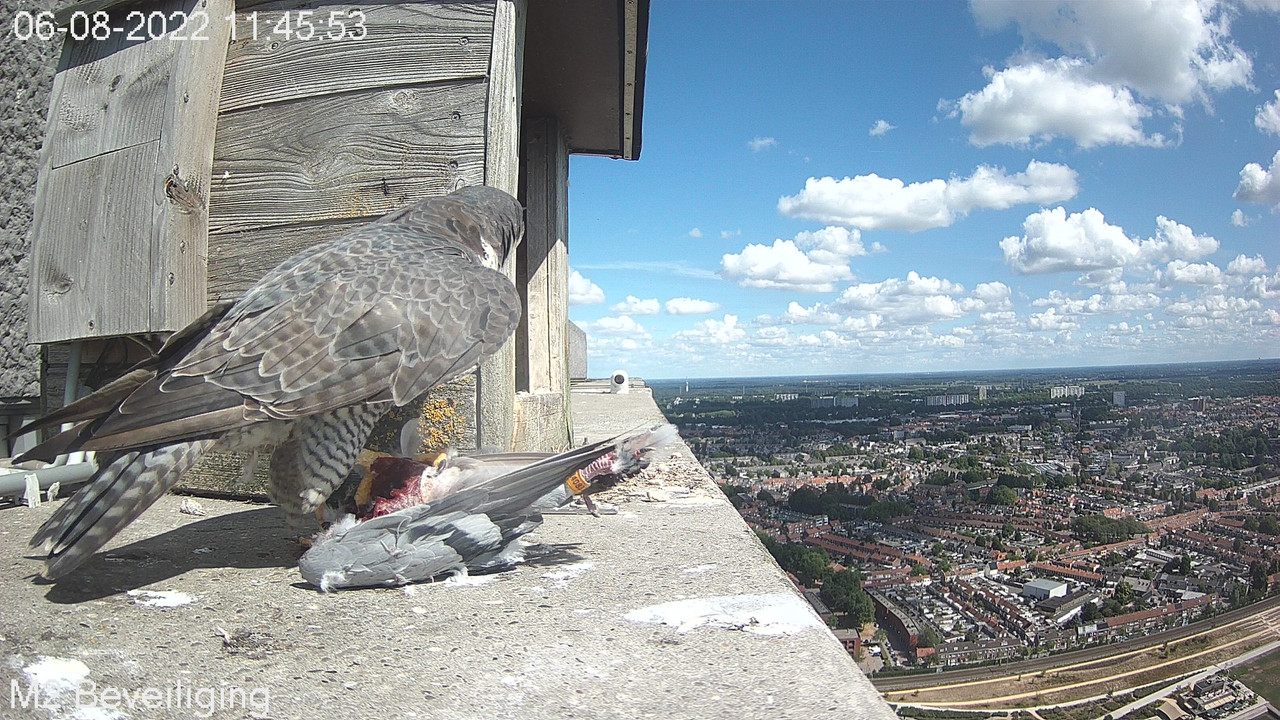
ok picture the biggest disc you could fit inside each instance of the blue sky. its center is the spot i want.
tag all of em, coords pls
(852, 187)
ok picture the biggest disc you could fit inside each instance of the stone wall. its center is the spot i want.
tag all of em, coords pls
(26, 72)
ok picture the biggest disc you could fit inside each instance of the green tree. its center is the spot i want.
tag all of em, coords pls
(1001, 495)
(805, 500)
(1124, 593)
(928, 637)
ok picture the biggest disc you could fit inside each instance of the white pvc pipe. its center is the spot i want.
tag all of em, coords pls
(14, 481)
(71, 393)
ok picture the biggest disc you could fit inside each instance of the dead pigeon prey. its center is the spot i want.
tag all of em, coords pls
(412, 521)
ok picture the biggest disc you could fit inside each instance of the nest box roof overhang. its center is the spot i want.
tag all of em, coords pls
(584, 64)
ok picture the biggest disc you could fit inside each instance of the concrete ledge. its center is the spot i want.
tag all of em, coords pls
(214, 602)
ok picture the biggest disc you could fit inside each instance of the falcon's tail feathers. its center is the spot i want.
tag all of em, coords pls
(116, 494)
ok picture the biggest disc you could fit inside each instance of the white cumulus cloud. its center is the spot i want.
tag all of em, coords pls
(880, 128)
(913, 300)
(582, 291)
(1051, 321)
(635, 306)
(621, 326)
(695, 233)
(1244, 265)
(1268, 118)
(871, 202)
(1051, 99)
(761, 143)
(1054, 241)
(690, 306)
(714, 332)
(1258, 185)
(812, 262)
(1174, 51)
(1185, 273)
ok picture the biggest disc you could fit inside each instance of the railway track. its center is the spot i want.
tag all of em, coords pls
(1266, 611)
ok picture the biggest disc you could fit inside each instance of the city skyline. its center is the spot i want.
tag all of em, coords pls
(821, 192)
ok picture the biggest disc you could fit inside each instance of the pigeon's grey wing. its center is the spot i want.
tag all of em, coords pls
(411, 545)
(363, 320)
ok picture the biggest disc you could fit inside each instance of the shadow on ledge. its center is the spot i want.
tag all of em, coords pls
(256, 538)
(248, 539)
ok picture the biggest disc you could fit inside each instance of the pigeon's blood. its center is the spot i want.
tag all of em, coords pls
(395, 484)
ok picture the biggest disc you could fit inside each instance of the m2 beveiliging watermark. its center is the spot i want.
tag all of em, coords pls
(201, 702)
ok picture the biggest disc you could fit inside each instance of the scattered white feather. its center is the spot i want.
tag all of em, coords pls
(561, 577)
(699, 569)
(770, 614)
(344, 523)
(161, 598)
(466, 580)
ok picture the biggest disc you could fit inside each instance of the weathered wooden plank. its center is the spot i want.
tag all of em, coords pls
(496, 378)
(107, 95)
(91, 260)
(542, 422)
(360, 154)
(179, 260)
(238, 260)
(120, 204)
(544, 365)
(506, 71)
(403, 44)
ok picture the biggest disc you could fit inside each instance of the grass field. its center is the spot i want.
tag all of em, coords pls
(1262, 676)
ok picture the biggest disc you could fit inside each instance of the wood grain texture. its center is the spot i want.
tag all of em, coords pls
(107, 95)
(360, 154)
(237, 260)
(542, 422)
(544, 364)
(91, 253)
(121, 200)
(496, 378)
(179, 260)
(405, 44)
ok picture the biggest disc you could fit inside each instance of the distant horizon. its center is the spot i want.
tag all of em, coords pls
(1172, 363)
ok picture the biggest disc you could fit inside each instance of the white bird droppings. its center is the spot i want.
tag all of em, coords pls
(161, 598)
(561, 577)
(769, 614)
(55, 674)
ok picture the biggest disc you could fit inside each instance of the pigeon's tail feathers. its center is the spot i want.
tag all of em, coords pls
(122, 488)
(517, 490)
(622, 456)
(633, 453)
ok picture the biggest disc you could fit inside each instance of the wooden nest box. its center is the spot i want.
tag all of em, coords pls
(193, 144)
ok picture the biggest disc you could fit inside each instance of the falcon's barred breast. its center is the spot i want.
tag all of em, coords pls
(306, 361)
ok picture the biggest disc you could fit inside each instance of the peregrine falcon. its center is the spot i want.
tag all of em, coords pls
(305, 362)
(411, 521)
